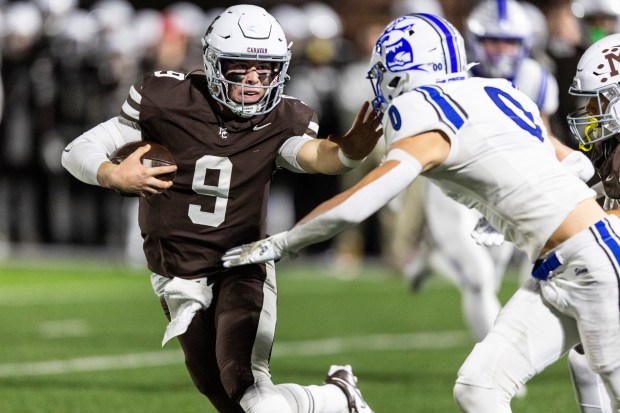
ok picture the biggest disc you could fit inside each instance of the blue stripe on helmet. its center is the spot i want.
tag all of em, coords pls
(453, 56)
(502, 10)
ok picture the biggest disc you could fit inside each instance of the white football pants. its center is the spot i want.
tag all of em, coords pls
(265, 397)
(578, 303)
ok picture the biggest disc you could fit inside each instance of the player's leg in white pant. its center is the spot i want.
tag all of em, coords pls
(589, 389)
(527, 336)
(326, 398)
(586, 287)
(263, 397)
(471, 265)
(339, 394)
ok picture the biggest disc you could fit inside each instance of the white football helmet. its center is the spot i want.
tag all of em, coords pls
(504, 20)
(245, 32)
(415, 50)
(598, 76)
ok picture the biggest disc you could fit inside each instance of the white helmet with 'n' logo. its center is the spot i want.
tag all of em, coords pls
(598, 76)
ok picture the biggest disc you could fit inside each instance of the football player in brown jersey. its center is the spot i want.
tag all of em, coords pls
(228, 131)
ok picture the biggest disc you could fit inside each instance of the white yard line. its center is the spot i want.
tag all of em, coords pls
(381, 342)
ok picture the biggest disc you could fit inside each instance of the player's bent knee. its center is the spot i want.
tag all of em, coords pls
(264, 398)
(236, 379)
(474, 399)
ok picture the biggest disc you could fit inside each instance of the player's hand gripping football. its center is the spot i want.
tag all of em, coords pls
(362, 138)
(131, 176)
(272, 248)
(485, 234)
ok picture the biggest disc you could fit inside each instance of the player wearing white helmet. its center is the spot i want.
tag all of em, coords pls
(484, 143)
(505, 28)
(226, 57)
(228, 131)
(499, 35)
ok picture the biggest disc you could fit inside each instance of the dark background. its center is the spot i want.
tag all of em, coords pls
(354, 13)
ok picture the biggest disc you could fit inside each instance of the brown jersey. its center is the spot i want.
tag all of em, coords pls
(225, 166)
(606, 160)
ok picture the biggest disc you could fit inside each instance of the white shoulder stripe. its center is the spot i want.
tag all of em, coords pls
(313, 126)
(130, 112)
(135, 95)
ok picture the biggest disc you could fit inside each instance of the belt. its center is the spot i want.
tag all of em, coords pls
(542, 268)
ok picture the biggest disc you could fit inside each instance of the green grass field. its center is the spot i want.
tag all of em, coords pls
(85, 338)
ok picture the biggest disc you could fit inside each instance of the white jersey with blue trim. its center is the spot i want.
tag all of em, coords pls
(539, 84)
(501, 160)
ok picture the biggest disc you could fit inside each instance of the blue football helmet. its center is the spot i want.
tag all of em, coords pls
(415, 50)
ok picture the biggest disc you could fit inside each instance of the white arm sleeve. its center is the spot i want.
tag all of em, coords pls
(85, 154)
(359, 206)
(287, 155)
(579, 164)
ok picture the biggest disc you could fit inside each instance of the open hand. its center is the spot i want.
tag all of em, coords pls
(362, 138)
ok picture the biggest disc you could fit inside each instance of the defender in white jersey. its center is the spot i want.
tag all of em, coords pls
(499, 36)
(483, 142)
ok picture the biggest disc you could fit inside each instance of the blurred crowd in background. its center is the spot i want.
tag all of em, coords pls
(67, 66)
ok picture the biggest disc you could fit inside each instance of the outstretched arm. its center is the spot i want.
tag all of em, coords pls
(339, 154)
(352, 206)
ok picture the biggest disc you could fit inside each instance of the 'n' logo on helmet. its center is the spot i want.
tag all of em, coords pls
(612, 56)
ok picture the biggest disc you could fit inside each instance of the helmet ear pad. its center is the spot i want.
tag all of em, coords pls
(397, 85)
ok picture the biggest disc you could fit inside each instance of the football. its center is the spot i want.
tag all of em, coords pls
(158, 155)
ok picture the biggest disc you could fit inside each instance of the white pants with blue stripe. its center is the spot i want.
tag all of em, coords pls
(578, 303)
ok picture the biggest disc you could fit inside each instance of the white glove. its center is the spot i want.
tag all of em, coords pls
(485, 234)
(267, 249)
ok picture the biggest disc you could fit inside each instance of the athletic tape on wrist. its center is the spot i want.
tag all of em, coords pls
(348, 162)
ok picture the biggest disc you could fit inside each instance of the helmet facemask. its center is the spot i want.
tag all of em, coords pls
(385, 90)
(219, 86)
(589, 128)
